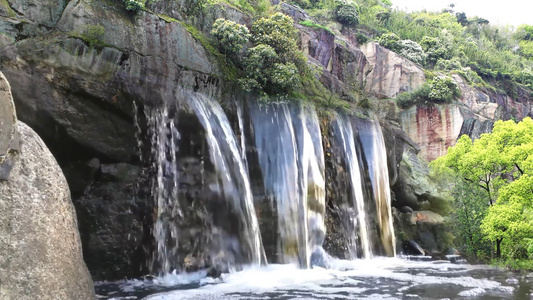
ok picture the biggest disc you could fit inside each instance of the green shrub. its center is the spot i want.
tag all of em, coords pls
(444, 89)
(435, 49)
(361, 38)
(347, 12)
(231, 36)
(390, 41)
(407, 99)
(264, 72)
(278, 32)
(449, 64)
(94, 34)
(134, 5)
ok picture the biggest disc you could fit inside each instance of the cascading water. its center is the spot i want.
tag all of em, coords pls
(164, 140)
(292, 164)
(234, 184)
(354, 218)
(373, 144)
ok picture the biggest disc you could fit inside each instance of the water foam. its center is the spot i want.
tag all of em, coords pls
(376, 278)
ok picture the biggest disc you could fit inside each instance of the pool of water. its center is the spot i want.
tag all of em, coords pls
(380, 278)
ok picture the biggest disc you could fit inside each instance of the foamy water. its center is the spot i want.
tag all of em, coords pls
(381, 278)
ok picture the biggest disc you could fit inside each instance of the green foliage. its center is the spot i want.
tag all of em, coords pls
(94, 35)
(273, 64)
(134, 5)
(407, 99)
(361, 38)
(311, 24)
(278, 32)
(498, 168)
(435, 49)
(390, 41)
(526, 48)
(347, 12)
(231, 36)
(443, 89)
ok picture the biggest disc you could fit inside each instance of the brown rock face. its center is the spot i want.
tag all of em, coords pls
(388, 73)
(40, 249)
(433, 127)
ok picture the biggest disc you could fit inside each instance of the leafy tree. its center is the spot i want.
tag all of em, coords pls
(500, 165)
(231, 36)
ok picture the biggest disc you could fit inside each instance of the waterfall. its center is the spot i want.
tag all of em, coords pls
(229, 162)
(289, 148)
(354, 219)
(288, 164)
(164, 140)
(373, 144)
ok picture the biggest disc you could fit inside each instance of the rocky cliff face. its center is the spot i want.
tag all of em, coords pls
(437, 127)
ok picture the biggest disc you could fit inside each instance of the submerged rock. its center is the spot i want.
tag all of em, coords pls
(40, 249)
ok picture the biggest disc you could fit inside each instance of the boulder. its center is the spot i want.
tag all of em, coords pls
(40, 249)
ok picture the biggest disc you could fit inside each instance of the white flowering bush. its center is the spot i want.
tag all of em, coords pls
(443, 89)
(278, 32)
(412, 51)
(231, 36)
(347, 12)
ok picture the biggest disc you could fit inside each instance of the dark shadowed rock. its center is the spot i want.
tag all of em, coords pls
(40, 249)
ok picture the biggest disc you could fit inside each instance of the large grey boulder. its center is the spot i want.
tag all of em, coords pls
(40, 248)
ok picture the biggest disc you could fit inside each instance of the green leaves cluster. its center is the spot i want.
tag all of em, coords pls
(347, 12)
(134, 5)
(94, 35)
(443, 89)
(438, 90)
(498, 168)
(231, 36)
(273, 62)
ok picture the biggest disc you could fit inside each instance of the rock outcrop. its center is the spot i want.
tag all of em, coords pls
(436, 127)
(40, 248)
(389, 74)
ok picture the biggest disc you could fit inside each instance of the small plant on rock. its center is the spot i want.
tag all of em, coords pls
(94, 34)
(134, 5)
